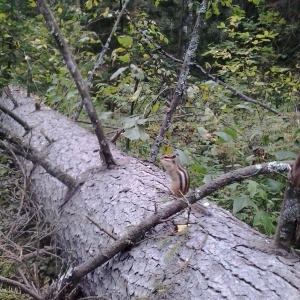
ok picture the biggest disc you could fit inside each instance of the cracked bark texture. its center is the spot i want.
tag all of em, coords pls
(218, 257)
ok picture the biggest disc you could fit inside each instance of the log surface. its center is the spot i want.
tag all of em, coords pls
(217, 257)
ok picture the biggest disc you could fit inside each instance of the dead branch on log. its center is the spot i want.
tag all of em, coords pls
(105, 153)
(101, 57)
(189, 55)
(227, 86)
(15, 117)
(135, 233)
(21, 148)
(113, 236)
(10, 96)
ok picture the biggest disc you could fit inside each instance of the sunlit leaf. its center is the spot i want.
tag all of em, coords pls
(125, 58)
(155, 107)
(136, 95)
(125, 41)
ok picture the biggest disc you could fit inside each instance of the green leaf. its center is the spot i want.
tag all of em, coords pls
(118, 72)
(224, 136)
(256, 2)
(274, 186)
(125, 41)
(240, 203)
(297, 132)
(208, 115)
(251, 187)
(262, 218)
(231, 132)
(284, 155)
(71, 94)
(89, 4)
(222, 25)
(132, 133)
(208, 14)
(124, 58)
(105, 115)
(130, 121)
(55, 99)
(155, 107)
(143, 135)
(141, 121)
(136, 95)
(136, 132)
(32, 3)
(197, 168)
(244, 106)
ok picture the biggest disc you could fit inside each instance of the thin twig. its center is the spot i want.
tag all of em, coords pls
(113, 236)
(10, 96)
(101, 57)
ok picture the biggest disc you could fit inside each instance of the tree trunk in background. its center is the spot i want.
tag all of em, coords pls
(217, 257)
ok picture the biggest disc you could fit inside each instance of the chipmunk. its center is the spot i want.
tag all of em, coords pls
(180, 177)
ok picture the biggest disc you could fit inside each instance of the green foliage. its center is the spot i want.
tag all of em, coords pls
(247, 56)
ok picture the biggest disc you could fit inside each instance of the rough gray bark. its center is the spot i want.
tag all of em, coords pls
(218, 257)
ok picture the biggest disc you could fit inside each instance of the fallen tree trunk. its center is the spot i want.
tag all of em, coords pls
(214, 257)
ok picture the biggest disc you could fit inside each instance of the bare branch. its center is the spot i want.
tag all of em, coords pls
(101, 56)
(15, 117)
(105, 153)
(10, 96)
(189, 55)
(22, 287)
(24, 150)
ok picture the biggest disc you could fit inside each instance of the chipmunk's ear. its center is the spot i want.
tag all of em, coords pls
(296, 172)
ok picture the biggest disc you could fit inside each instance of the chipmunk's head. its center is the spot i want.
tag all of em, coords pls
(169, 161)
